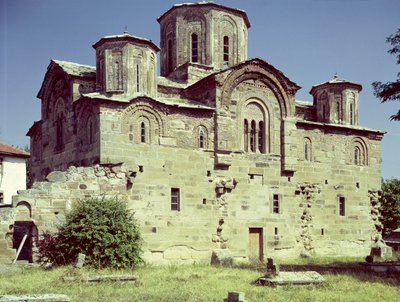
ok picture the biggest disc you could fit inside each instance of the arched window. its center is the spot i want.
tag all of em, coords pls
(143, 138)
(202, 138)
(307, 149)
(253, 136)
(169, 55)
(255, 129)
(226, 49)
(246, 135)
(357, 156)
(261, 137)
(195, 51)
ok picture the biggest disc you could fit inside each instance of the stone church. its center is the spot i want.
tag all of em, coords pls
(213, 151)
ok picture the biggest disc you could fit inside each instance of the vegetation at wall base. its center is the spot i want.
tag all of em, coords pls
(390, 205)
(101, 228)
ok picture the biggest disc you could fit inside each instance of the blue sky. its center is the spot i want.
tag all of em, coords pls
(308, 40)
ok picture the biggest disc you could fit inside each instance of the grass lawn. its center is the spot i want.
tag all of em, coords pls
(344, 282)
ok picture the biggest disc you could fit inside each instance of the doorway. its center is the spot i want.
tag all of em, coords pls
(20, 229)
(256, 252)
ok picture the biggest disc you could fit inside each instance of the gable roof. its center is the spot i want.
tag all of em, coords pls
(69, 68)
(237, 11)
(76, 69)
(12, 151)
(284, 80)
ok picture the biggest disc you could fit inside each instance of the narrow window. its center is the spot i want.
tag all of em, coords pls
(357, 156)
(276, 231)
(253, 136)
(323, 112)
(169, 55)
(342, 206)
(117, 76)
(142, 132)
(195, 53)
(175, 200)
(261, 137)
(202, 135)
(59, 132)
(246, 135)
(90, 132)
(351, 115)
(275, 204)
(226, 49)
(307, 149)
(137, 78)
(1, 197)
(322, 232)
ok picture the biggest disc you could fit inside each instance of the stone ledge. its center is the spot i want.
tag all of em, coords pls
(36, 298)
(105, 278)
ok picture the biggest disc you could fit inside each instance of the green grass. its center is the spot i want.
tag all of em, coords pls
(201, 283)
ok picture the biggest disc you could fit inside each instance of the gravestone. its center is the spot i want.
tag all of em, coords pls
(80, 261)
(235, 297)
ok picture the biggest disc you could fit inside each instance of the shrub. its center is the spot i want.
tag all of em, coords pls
(103, 229)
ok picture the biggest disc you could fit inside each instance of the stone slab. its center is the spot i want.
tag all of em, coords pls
(292, 278)
(105, 278)
(36, 298)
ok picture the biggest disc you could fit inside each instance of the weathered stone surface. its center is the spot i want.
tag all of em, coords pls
(235, 297)
(292, 278)
(221, 257)
(56, 176)
(226, 136)
(35, 298)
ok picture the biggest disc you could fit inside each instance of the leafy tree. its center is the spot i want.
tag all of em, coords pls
(101, 228)
(390, 205)
(390, 91)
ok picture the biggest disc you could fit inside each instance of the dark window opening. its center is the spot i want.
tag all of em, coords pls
(351, 115)
(253, 136)
(226, 49)
(275, 204)
(261, 137)
(195, 51)
(202, 141)
(208, 173)
(1, 197)
(342, 206)
(357, 185)
(142, 132)
(246, 135)
(276, 231)
(175, 200)
(141, 169)
(204, 201)
(322, 232)
(137, 78)
(326, 181)
(59, 132)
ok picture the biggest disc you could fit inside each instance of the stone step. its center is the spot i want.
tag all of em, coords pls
(36, 298)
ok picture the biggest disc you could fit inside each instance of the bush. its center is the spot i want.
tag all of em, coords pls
(390, 205)
(102, 228)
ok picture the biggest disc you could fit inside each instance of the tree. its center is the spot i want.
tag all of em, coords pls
(101, 228)
(390, 91)
(390, 205)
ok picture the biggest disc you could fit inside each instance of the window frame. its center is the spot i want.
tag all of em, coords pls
(342, 206)
(175, 199)
(276, 204)
(194, 48)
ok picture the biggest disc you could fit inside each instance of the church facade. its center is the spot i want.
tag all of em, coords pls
(217, 151)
